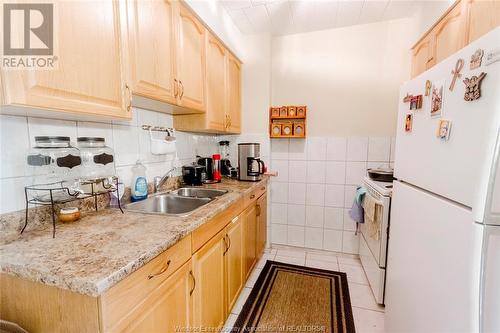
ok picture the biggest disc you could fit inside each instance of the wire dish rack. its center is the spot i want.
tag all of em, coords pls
(60, 193)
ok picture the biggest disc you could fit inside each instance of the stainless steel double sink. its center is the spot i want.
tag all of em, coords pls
(180, 202)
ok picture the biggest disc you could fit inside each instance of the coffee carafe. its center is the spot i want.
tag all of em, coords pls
(225, 158)
(250, 166)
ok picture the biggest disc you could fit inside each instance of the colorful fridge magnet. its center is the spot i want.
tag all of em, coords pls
(428, 86)
(416, 102)
(408, 122)
(473, 87)
(476, 59)
(456, 73)
(443, 131)
(437, 99)
(407, 98)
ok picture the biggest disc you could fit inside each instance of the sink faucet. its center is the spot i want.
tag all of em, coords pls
(159, 181)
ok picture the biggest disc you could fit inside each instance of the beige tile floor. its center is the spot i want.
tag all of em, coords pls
(368, 315)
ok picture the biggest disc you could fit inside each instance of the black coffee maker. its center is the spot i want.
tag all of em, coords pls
(225, 161)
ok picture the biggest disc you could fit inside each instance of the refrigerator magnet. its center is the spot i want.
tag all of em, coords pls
(408, 122)
(437, 99)
(456, 73)
(473, 87)
(443, 131)
(428, 86)
(476, 59)
(416, 102)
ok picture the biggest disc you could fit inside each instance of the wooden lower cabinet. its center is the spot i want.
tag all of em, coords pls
(234, 261)
(261, 240)
(209, 308)
(168, 308)
(250, 220)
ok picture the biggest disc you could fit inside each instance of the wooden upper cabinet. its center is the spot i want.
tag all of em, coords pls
(483, 16)
(191, 61)
(216, 84)
(234, 95)
(449, 33)
(151, 35)
(422, 56)
(90, 77)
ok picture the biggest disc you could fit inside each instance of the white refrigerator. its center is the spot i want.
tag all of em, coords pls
(443, 265)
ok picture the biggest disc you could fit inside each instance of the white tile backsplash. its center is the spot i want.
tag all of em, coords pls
(279, 234)
(323, 173)
(279, 192)
(127, 139)
(279, 213)
(281, 167)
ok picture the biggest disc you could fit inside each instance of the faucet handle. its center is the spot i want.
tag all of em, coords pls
(156, 183)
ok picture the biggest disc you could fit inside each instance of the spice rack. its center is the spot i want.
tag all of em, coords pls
(287, 121)
(60, 193)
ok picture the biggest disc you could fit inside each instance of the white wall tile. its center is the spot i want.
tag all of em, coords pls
(126, 144)
(14, 145)
(377, 165)
(355, 172)
(165, 120)
(350, 242)
(279, 192)
(296, 236)
(379, 149)
(334, 196)
(335, 172)
(297, 150)
(314, 216)
(350, 193)
(281, 167)
(297, 193)
(336, 149)
(279, 234)
(297, 171)
(147, 117)
(279, 213)
(125, 174)
(279, 149)
(314, 238)
(349, 223)
(12, 194)
(315, 194)
(296, 215)
(51, 127)
(93, 129)
(357, 149)
(316, 148)
(316, 172)
(131, 122)
(332, 240)
(334, 218)
(393, 150)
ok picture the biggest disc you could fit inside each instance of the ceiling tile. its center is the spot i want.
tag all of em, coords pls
(258, 18)
(241, 20)
(372, 11)
(349, 12)
(280, 16)
(398, 9)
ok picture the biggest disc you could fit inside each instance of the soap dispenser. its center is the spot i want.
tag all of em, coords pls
(139, 187)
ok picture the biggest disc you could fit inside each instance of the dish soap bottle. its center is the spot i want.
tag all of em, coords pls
(139, 187)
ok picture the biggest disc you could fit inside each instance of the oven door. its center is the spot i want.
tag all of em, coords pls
(378, 248)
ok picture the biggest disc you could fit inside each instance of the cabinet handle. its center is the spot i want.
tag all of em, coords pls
(176, 88)
(129, 95)
(194, 283)
(263, 188)
(225, 245)
(182, 89)
(229, 239)
(163, 270)
(258, 210)
(252, 196)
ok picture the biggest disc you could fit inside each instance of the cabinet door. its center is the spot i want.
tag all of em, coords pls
(216, 84)
(234, 95)
(152, 48)
(168, 307)
(191, 60)
(250, 220)
(422, 58)
(261, 224)
(483, 16)
(90, 75)
(234, 261)
(449, 33)
(208, 297)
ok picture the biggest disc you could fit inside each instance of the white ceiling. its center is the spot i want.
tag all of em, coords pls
(281, 17)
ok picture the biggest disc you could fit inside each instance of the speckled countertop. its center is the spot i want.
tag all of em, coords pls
(101, 249)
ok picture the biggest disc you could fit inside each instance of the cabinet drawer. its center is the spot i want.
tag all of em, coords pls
(250, 197)
(124, 297)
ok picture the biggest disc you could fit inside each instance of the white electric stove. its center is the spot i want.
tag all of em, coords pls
(373, 249)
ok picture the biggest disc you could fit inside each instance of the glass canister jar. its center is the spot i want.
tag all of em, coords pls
(53, 161)
(98, 161)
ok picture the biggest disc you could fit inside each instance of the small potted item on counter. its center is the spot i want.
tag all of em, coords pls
(69, 214)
